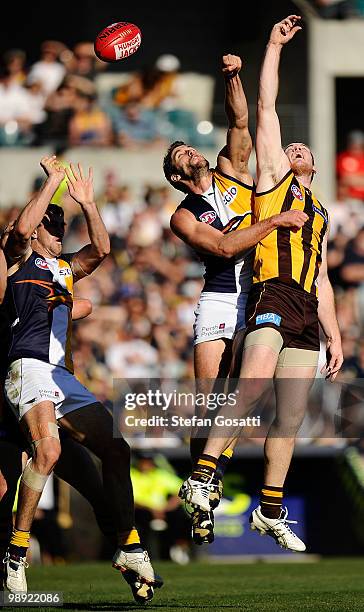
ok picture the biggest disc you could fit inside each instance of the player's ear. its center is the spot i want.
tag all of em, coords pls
(175, 178)
(34, 235)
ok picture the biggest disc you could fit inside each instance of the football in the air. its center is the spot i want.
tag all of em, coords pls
(117, 41)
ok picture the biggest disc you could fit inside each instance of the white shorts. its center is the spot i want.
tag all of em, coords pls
(219, 315)
(31, 381)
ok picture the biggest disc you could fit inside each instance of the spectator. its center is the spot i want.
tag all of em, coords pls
(334, 9)
(135, 126)
(83, 61)
(132, 356)
(119, 209)
(14, 63)
(350, 165)
(353, 265)
(49, 71)
(154, 87)
(158, 509)
(15, 116)
(89, 125)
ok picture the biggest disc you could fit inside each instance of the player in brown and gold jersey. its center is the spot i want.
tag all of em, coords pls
(291, 295)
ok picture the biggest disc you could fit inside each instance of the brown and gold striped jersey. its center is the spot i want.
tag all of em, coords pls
(284, 254)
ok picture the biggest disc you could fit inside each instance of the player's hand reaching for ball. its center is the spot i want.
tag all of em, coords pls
(231, 65)
(292, 219)
(52, 167)
(285, 30)
(81, 188)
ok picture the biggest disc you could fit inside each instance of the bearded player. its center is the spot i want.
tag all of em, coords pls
(290, 296)
(218, 203)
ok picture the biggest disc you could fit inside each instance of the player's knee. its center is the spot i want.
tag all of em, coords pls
(46, 455)
(288, 427)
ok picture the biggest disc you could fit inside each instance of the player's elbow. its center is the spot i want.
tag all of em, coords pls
(22, 231)
(264, 107)
(103, 249)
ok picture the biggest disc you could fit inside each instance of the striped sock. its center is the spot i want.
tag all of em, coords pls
(223, 462)
(271, 499)
(205, 468)
(19, 543)
(130, 541)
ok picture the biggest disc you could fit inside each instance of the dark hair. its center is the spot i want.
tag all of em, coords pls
(168, 166)
(54, 215)
(55, 211)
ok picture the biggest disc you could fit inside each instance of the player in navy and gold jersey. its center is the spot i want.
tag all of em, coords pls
(215, 219)
(291, 295)
(40, 386)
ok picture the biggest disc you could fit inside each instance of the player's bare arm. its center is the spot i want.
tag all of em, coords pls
(207, 239)
(234, 157)
(272, 163)
(81, 189)
(3, 275)
(328, 320)
(33, 213)
(82, 308)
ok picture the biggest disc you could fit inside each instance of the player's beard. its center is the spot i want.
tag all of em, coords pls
(199, 170)
(301, 168)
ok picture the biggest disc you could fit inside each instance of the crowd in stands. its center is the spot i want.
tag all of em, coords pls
(145, 293)
(339, 9)
(56, 102)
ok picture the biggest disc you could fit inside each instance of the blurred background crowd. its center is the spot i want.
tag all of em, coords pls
(144, 295)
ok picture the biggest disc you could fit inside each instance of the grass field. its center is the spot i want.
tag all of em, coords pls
(335, 584)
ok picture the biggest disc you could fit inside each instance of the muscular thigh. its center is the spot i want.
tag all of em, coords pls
(40, 421)
(91, 425)
(212, 359)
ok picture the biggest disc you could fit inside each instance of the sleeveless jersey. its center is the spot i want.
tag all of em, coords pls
(38, 303)
(226, 206)
(283, 254)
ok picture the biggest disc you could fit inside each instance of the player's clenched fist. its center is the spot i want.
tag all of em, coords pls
(293, 219)
(231, 65)
(51, 166)
(285, 30)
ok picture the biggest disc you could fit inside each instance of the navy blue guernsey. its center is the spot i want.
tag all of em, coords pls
(38, 304)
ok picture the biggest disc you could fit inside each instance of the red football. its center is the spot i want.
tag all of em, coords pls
(117, 41)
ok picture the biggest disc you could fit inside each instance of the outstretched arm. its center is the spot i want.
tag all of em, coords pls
(234, 157)
(31, 216)
(87, 259)
(206, 239)
(3, 275)
(328, 320)
(272, 163)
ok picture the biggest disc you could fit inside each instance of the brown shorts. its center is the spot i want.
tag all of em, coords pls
(286, 308)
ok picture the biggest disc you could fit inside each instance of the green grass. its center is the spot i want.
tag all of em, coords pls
(332, 585)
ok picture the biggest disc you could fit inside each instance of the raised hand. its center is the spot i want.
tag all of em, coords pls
(285, 30)
(231, 65)
(80, 188)
(52, 167)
